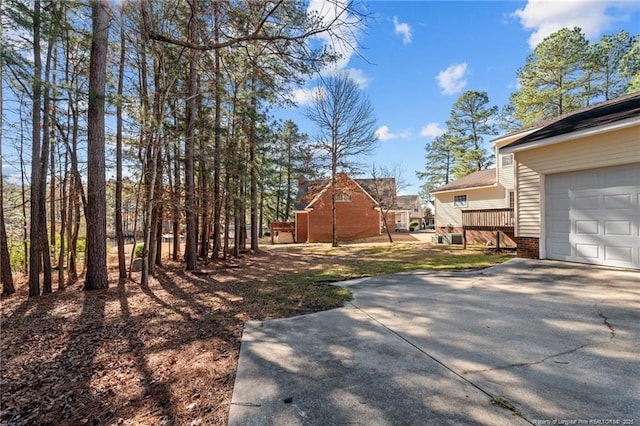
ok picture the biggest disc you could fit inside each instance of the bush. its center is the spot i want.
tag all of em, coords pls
(138, 251)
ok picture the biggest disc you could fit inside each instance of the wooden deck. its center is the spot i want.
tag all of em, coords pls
(489, 220)
(497, 220)
(283, 227)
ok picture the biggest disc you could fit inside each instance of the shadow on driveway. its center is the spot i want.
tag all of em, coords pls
(524, 342)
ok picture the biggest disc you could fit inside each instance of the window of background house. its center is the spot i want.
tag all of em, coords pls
(507, 160)
(459, 201)
(343, 197)
(512, 201)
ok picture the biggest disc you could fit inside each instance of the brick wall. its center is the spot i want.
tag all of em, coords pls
(529, 247)
(301, 227)
(355, 219)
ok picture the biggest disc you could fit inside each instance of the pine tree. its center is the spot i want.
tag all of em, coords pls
(471, 118)
(439, 162)
(553, 78)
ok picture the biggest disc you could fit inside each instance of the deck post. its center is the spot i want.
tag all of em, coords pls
(464, 239)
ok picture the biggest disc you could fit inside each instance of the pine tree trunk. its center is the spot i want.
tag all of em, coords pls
(34, 228)
(217, 151)
(5, 261)
(44, 165)
(122, 267)
(96, 215)
(189, 144)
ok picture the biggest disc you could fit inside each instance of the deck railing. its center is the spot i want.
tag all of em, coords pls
(489, 220)
(282, 227)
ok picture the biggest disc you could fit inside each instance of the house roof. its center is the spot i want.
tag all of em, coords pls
(473, 180)
(597, 115)
(407, 202)
(310, 190)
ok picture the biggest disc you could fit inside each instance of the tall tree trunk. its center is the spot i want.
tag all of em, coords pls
(192, 89)
(122, 267)
(25, 226)
(63, 223)
(217, 152)
(5, 261)
(176, 200)
(96, 215)
(253, 164)
(34, 228)
(44, 164)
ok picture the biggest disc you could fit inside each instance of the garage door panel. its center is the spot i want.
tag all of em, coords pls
(560, 227)
(588, 227)
(618, 228)
(588, 179)
(587, 251)
(622, 254)
(619, 176)
(561, 249)
(586, 202)
(620, 201)
(593, 216)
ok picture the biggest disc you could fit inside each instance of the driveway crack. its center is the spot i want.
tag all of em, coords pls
(612, 331)
(528, 364)
(492, 397)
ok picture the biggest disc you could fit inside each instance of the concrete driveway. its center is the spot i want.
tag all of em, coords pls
(526, 342)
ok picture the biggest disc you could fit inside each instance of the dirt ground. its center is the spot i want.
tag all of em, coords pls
(161, 354)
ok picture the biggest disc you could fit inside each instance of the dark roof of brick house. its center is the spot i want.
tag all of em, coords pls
(600, 114)
(407, 202)
(309, 189)
(473, 180)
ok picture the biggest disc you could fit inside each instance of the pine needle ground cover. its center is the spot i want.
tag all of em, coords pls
(167, 353)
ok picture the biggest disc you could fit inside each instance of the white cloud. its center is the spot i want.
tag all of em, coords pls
(305, 96)
(453, 79)
(358, 76)
(383, 133)
(593, 17)
(403, 29)
(343, 39)
(431, 130)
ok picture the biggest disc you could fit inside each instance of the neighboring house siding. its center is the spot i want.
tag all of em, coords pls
(506, 177)
(477, 198)
(602, 150)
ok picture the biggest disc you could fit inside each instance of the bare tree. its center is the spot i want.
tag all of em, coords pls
(385, 185)
(96, 214)
(344, 116)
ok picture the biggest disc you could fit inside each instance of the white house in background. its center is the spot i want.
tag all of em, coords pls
(409, 210)
(577, 185)
(478, 206)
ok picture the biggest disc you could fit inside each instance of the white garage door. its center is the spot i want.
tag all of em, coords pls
(593, 216)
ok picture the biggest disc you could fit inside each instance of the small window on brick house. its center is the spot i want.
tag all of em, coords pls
(459, 201)
(343, 197)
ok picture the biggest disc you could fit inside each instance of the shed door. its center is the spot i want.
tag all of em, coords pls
(593, 216)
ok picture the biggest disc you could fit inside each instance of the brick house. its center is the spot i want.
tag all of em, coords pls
(358, 214)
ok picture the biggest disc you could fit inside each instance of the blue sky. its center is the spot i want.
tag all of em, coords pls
(419, 56)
